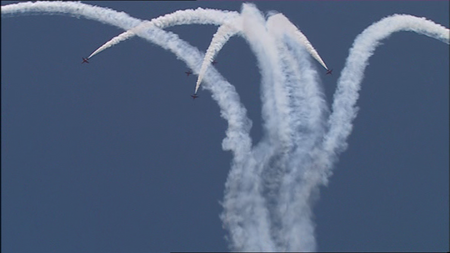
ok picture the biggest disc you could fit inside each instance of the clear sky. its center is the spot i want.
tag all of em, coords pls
(114, 156)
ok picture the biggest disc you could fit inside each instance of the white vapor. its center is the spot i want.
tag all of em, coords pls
(223, 34)
(230, 29)
(272, 186)
(237, 135)
(297, 35)
(181, 17)
(296, 229)
(349, 83)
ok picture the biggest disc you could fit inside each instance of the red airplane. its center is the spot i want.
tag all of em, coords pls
(214, 62)
(329, 71)
(194, 96)
(85, 60)
(188, 72)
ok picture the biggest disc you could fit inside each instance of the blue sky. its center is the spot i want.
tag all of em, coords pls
(114, 156)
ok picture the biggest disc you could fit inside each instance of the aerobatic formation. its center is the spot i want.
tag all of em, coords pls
(268, 197)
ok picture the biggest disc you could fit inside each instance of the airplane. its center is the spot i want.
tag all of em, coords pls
(194, 96)
(188, 72)
(85, 60)
(329, 72)
(214, 62)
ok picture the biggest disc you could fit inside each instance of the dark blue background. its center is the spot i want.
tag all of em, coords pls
(114, 156)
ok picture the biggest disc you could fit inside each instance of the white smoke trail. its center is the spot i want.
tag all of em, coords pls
(288, 110)
(226, 95)
(296, 229)
(181, 17)
(74, 9)
(279, 139)
(254, 31)
(114, 41)
(245, 215)
(344, 110)
(223, 34)
(306, 99)
(275, 108)
(298, 35)
(237, 136)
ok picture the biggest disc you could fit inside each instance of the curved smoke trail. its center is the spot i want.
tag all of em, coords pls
(349, 83)
(240, 220)
(237, 135)
(260, 213)
(229, 30)
(223, 92)
(295, 230)
(181, 17)
(297, 35)
(223, 34)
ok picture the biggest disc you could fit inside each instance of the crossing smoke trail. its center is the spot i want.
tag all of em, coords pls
(275, 112)
(292, 210)
(280, 168)
(181, 17)
(223, 34)
(187, 17)
(272, 186)
(274, 97)
(234, 27)
(297, 35)
(202, 16)
(237, 135)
